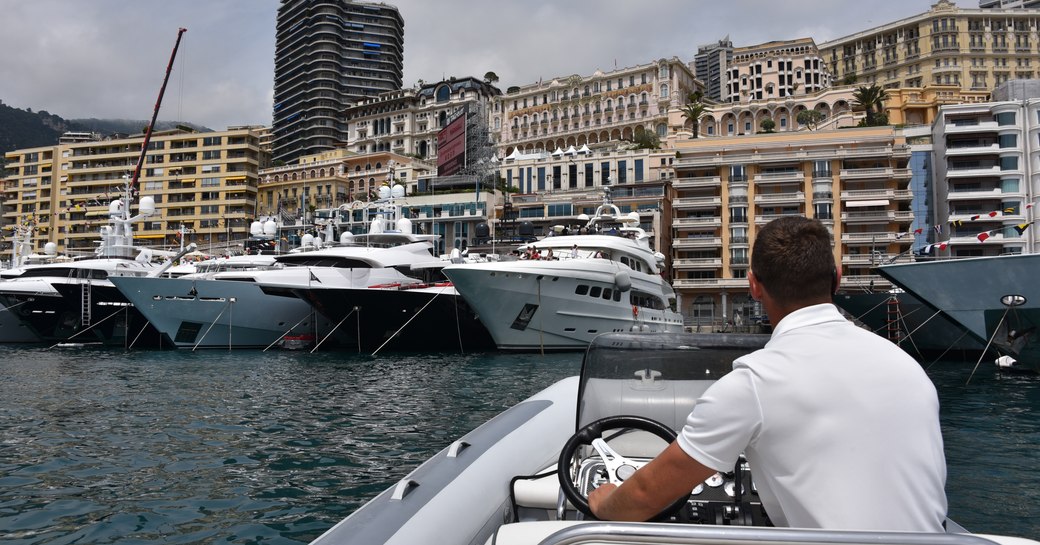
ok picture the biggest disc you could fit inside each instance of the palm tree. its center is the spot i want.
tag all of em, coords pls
(872, 99)
(693, 110)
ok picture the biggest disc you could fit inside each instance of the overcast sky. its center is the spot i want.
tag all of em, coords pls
(106, 58)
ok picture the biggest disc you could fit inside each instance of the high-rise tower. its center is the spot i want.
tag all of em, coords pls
(329, 54)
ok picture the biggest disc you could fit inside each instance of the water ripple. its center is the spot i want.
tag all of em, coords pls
(245, 447)
(248, 447)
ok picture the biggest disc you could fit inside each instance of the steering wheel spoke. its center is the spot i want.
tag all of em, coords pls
(618, 467)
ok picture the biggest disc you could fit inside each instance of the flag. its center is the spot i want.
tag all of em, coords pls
(938, 228)
(982, 237)
(1009, 210)
(1028, 206)
(993, 214)
(943, 245)
(975, 217)
(1021, 228)
(920, 230)
(956, 223)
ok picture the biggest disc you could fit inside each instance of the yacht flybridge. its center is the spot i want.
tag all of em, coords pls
(567, 289)
(522, 478)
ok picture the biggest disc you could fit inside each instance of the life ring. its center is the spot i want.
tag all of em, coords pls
(635, 311)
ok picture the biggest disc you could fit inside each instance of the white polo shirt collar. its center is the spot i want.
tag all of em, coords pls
(807, 316)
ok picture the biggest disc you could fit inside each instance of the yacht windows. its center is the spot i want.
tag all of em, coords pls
(607, 293)
(646, 300)
(595, 291)
(582, 289)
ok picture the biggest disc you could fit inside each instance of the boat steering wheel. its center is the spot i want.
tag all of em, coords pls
(618, 468)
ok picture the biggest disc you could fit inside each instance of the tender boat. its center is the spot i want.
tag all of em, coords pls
(522, 477)
(604, 279)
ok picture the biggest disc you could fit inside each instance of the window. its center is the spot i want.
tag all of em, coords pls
(1006, 118)
(664, 90)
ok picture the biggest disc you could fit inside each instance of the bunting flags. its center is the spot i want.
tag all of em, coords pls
(1009, 210)
(920, 230)
(1021, 228)
(938, 229)
(982, 236)
(944, 244)
(975, 217)
(956, 223)
(993, 214)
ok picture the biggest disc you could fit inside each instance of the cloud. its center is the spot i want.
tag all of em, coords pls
(106, 58)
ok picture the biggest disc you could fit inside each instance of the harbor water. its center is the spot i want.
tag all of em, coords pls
(107, 446)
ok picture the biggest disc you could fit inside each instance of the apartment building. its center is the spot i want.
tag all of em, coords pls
(600, 110)
(330, 54)
(407, 121)
(331, 179)
(973, 49)
(203, 183)
(986, 158)
(776, 69)
(855, 180)
(711, 66)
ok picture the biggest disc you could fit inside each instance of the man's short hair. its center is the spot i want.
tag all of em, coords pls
(793, 260)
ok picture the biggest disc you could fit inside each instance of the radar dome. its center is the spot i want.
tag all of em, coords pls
(397, 191)
(404, 225)
(50, 248)
(147, 206)
(115, 207)
(256, 228)
(583, 217)
(384, 192)
(307, 240)
(346, 237)
(377, 226)
(634, 216)
(270, 228)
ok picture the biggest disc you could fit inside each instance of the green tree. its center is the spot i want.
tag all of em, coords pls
(647, 140)
(491, 77)
(768, 125)
(693, 110)
(849, 79)
(810, 118)
(872, 99)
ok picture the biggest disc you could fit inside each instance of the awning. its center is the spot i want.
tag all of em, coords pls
(860, 204)
(235, 178)
(150, 236)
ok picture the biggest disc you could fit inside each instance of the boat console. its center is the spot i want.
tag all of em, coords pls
(635, 392)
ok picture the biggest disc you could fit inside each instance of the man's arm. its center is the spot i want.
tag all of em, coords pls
(672, 474)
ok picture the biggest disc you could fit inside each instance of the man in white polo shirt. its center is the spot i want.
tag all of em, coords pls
(840, 426)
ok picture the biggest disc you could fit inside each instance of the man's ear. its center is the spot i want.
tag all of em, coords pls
(756, 288)
(835, 280)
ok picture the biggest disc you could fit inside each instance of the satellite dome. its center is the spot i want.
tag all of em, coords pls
(397, 191)
(256, 228)
(404, 225)
(270, 228)
(147, 206)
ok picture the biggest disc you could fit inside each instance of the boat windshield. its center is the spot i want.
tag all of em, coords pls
(658, 376)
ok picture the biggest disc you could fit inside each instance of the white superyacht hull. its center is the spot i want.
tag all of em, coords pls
(534, 305)
(218, 313)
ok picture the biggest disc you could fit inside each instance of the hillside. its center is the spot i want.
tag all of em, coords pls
(20, 129)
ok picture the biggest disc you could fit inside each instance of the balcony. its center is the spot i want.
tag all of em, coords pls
(797, 197)
(971, 194)
(762, 219)
(882, 173)
(878, 216)
(977, 149)
(722, 283)
(861, 281)
(697, 264)
(968, 127)
(780, 177)
(697, 203)
(699, 182)
(697, 223)
(974, 172)
(696, 242)
(874, 237)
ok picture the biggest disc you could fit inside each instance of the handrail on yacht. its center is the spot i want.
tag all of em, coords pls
(649, 533)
